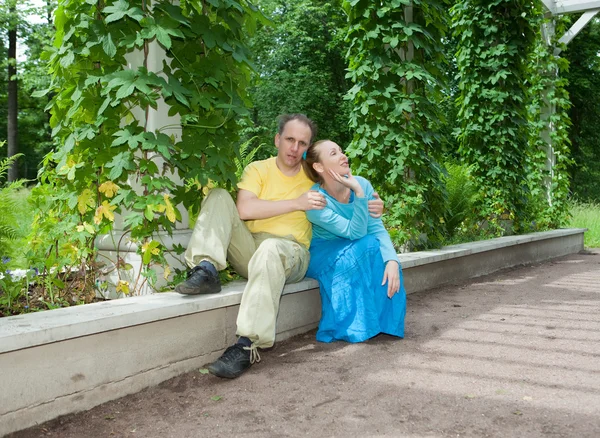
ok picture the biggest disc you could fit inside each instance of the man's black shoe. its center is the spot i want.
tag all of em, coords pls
(202, 279)
(232, 363)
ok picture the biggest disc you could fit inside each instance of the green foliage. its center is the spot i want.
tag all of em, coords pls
(33, 129)
(495, 39)
(547, 179)
(395, 119)
(301, 67)
(584, 91)
(9, 219)
(587, 215)
(106, 80)
(247, 154)
(462, 192)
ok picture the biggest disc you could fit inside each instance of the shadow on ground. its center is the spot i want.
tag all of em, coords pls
(516, 353)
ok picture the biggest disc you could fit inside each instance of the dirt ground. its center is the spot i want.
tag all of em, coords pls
(513, 354)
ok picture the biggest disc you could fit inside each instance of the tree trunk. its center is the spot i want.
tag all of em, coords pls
(13, 147)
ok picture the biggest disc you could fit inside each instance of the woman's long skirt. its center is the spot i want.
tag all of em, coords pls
(354, 303)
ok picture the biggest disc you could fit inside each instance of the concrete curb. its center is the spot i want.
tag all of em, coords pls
(73, 359)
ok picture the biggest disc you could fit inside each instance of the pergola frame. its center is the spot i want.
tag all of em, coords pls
(558, 7)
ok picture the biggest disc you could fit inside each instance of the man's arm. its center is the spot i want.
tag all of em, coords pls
(250, 207)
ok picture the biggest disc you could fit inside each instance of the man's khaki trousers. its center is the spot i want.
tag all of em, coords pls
(267, 261)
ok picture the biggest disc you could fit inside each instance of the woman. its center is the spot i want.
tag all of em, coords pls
(351, 254)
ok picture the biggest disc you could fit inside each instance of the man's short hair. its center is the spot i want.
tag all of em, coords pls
(284, 118)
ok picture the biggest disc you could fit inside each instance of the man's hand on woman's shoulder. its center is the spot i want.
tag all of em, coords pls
(376, 206)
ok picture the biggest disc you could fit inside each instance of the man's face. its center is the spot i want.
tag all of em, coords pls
(292, 143)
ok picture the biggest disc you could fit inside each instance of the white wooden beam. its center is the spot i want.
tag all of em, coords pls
(550, 5)
(573, 6)
(576, 28)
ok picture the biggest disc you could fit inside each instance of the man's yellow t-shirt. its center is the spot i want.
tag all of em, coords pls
(266, 181)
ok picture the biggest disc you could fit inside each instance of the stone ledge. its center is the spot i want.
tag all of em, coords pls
(414, 259)
(33, 329)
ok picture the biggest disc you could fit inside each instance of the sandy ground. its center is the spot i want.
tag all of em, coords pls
(513, 354)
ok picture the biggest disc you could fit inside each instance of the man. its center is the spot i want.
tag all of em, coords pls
(265, 237)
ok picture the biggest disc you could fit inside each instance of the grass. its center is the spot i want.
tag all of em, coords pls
(587, 215)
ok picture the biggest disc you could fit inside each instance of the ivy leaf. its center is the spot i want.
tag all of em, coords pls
(85, 200)
(119, 163)
(168, 207)
(109, 189)
(162, 35)
(68, 59)
(123, 79)
(149, 249)
(116, 11)
(108, 46)
(125, 91)
(126, 136)
(174, 88)
(123, 286)
(104, 211)
(149, 212)
(133, 220)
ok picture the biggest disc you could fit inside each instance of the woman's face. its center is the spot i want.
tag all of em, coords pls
(331, 157)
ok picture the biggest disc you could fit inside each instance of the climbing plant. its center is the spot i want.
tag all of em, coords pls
(547, 173)
(108, 159)
(495, 39)
(395, 63)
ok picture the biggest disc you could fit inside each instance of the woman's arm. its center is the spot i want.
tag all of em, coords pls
(338, 225)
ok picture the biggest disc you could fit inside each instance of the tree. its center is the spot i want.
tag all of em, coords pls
(24, 126)
(13, 147)
(300, 66)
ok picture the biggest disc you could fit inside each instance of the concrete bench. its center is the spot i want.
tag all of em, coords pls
(67, 360)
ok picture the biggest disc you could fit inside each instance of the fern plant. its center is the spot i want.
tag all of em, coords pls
(246, 154)
(8, 193)
(461, 196)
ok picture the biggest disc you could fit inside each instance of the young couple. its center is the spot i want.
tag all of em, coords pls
(266, 237)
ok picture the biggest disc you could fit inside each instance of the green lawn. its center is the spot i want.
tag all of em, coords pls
(587, 216)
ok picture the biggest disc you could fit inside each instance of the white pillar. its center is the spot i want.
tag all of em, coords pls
(117, 252)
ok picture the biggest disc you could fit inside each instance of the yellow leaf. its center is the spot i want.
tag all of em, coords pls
(105, 210)
(167, 273)
(123, 286)
(170, 210)
(109, 189)
(87, 227)
(85, 200)
(148, 249)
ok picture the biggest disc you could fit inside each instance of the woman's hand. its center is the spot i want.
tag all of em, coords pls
(392, 276)
(348, 181)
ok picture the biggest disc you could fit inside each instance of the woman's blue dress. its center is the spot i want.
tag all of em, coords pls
(348, 253)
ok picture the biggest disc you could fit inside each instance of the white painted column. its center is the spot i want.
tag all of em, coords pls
(117, 252)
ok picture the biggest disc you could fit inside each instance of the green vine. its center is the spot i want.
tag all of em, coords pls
(395, 64)
(495, 39)
(108, 159)
(549, 106)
